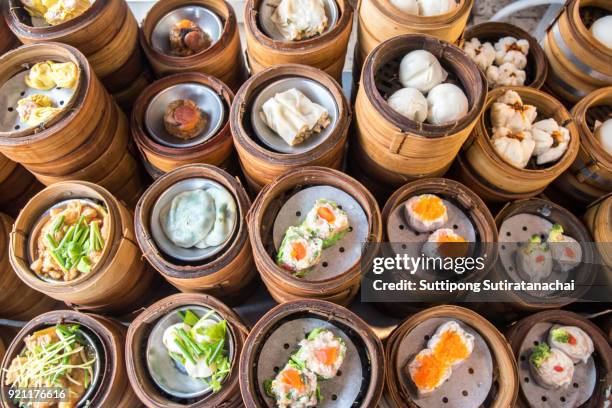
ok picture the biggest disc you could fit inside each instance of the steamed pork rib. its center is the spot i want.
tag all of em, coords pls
(184, 119)
(71, 241)
(187, 38)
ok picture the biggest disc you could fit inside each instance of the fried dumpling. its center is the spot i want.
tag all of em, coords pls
(190, 218)
(300, 19)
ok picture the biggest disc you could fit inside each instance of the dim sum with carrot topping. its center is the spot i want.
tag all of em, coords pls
(322, 352)
(534, 260)
(299, 251)
(426, 212)
(293, 387)
(427, 372)
(551, 367)
(566, 251)
(573, 341)
(443, 243)
(451, 344)
(327, 221)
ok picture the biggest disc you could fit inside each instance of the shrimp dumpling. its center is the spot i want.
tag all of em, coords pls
(534, 261)
(506, 74)
(513, 51)
(225, 217)
(190, 218)
(573, 341)
(566, 251)
(551, 139)
(483, 54)
(300, 19)
(551, 367)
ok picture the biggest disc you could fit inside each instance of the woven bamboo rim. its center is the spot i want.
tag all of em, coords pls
(260, 164)
(28, 302)
(397, 144)
(598, 219)
(325, 311)
(573, 227)
(137, 335)
(579, 64)
(283, 286)
(326, 52)
(226, 275)
(504, 366)
(114, 388)
(492, 169)
(602, 355)
(215, 151)
(492, 31)
(116, 283)
(223, 60)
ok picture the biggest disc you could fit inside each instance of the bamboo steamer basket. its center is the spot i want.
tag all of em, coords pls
(117, 283)
(135, 346)
(380, 21)
(521, 333)
(114, 388)
(7, 39)
(502, 180)
(326, 51)
(261, 164)
(19, 300)
(230, 273)
(284, 286)
(223, 60)
(217, 150)
(579, 64)
(88, 141)
(590, 175)
(401, 150)
(598, 219)
(505, 382)
(341, 321)
(106, 33)
(492, 31)
(17, 186)
(6, 336)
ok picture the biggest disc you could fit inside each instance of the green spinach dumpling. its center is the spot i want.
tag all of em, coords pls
(190, 218)
(225, 217)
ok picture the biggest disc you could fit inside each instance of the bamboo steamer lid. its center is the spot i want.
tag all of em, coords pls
(229, 273)
(380, 21)
(138, 334)
(396, 145)
(491, 362)
(222, 60)
(534, 329)
(326, 51)
(598, 219)
(276, 335)
(260, 163)
(338, 283)
(107, 33)
(114, 388)
(28, 302)
(505, 180)
(119, 280)
(215, 150)
(579, 64)
(491, 31)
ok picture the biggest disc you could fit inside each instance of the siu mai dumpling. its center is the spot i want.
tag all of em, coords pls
(534, 260)
(445, 243)
(64, 10)
(573, 341)
(40, 76)
(300, 19)
(190, 218)
(428, 372)
(36, 109)
(566, 251)
(510, 112)
(551, 367)
(515, 148)
(293, 116)
(225, 217)
(426, 212)
(451, 344)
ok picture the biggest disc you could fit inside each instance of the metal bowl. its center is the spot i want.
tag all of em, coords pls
(207, 20)
(209, 102)
(164, 371)
(267, 7)
(163, 203)
(314, 91)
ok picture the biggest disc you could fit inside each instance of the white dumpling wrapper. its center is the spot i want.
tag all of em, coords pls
(483, 54)
(505, 75)
(603, 133)
(406, 6)
(515, 148)
(429, 8)
(190, 218)
(602, 30)
(509, 111)
(561, 138)
(170, 335)
(300, 19)
(225, 218)
(446, 103)
(513, 51)
(409, 102)
(420, 69)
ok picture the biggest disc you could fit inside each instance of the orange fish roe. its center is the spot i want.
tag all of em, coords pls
(429, 207)
(430, 372)
(451, 348)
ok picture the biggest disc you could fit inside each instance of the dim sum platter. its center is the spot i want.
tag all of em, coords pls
(347, 252)
(283, 342)
(471, 381)
(15, 89)
(576, 394)
(163, 202)
(162, 368)
(314, 91)
(267, 7)
(207, 20)
(205, 98)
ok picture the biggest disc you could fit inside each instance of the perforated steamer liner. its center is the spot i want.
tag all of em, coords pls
(274, 338)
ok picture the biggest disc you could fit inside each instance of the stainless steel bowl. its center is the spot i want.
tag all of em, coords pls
(267, 7)
(209, 102)
(314, 91)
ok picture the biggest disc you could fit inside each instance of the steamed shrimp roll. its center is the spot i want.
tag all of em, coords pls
(299, 251)
(327, 221)
(293, 387)
(322, 352)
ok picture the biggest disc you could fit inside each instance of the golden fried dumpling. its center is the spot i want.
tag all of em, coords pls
(36, 109)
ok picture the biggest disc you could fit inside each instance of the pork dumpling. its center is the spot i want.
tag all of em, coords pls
(36, 109)
(505, 75)
(190, 218)
(300, 19)
(40, 76)
(225, 217)
(322, 352)
(551, 367)
(445, 243)
(566, 251)
(534, 260)
(407, 6)
(409, 102)
(436, 7)
(64, 10)
(513, 147)
(327, 221)
(64, 74)
(483, 54)
(426, 212)
(551, 139)
(603, 134)
(446, 103)
(513, 51)
(299, 251)
(428, 372)
(573, 341)
(451, 344)
(420, 69)
(510, 112)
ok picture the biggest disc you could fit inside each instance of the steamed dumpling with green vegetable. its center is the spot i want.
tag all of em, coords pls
(573, 341)
(327, 221)
(190, 218)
